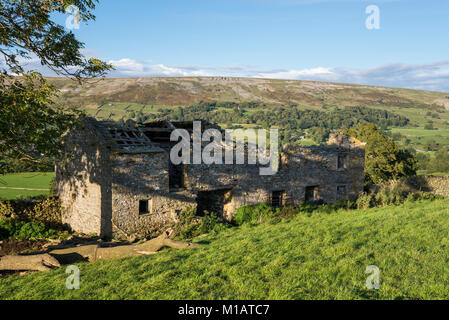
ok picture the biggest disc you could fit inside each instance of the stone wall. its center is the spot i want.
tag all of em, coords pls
(300, 167)
(144, 177)
(83, 182)
(436, 184)
(116, 193)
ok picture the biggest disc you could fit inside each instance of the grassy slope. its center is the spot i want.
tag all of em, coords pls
(146, 94)
(120, 98)
(26, 181)
(323, 256)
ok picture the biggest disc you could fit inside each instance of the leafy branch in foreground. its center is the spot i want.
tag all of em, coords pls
(30, 125)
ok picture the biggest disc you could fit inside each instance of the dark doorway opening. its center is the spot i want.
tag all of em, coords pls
(312, 194)
(278, 198)
(175, 176)
(213, 201)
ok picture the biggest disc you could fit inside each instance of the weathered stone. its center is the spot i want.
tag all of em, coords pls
(109, 189)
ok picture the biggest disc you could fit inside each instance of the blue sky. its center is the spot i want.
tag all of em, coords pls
(292, 39)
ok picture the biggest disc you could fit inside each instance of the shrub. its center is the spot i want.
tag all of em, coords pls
(6, 210)
(392, 193)
(47, 211)
(10, 228)
(190, 225)
(365, 201)
(254, 214)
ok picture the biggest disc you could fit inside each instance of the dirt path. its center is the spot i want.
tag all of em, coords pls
(26, 189)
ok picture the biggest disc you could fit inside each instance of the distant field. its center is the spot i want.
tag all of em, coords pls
(423, 172)
(420, 136)
(24, 185)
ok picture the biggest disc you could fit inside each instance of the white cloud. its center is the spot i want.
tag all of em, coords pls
(431, 76)
(132, 68)
(297, 74)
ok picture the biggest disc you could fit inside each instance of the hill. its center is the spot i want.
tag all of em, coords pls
(322, 255)
(426, 113)
(189, 90)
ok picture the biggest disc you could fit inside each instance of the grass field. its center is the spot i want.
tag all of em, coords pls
(320, 256)
(24, 185)
(419, 136)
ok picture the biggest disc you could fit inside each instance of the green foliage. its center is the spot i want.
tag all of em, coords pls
(28, 29)
(392, 196)
(429, 126)
(290, 119)
(254, 214)
(6, 210)
(190, 225)
(15, 229)
(47, 211)
(384, 160)
(319, 135)
(52, 192)
(11, 165)
(30, 127)
(438, 162)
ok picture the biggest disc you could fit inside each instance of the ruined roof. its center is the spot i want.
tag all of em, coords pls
(126, 138)
(345, 141)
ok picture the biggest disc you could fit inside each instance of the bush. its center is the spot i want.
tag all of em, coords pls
(365, 201)
(47, 211)
(14, 229)
(6, 210)
(392, 193)
(190, 225)
(254, 214)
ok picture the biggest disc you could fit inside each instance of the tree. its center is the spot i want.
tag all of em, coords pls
(30, 126)
(440, 161)
(384, 160)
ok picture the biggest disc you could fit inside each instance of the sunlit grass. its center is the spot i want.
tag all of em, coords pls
(11, 184)
(321, 256)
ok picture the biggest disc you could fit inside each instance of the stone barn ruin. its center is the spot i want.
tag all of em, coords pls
(118, 179)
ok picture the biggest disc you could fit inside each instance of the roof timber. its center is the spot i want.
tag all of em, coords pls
(126, 139)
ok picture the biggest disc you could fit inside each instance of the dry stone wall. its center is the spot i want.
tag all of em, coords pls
(436, 184)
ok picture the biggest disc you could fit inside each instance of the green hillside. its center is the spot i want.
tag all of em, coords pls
(319, 256)
(125, 95)
(153, 98)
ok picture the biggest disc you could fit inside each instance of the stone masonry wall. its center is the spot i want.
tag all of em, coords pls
(83, 182)
(435, 184)
(144, 177)
(299, 167)
(103, 191)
